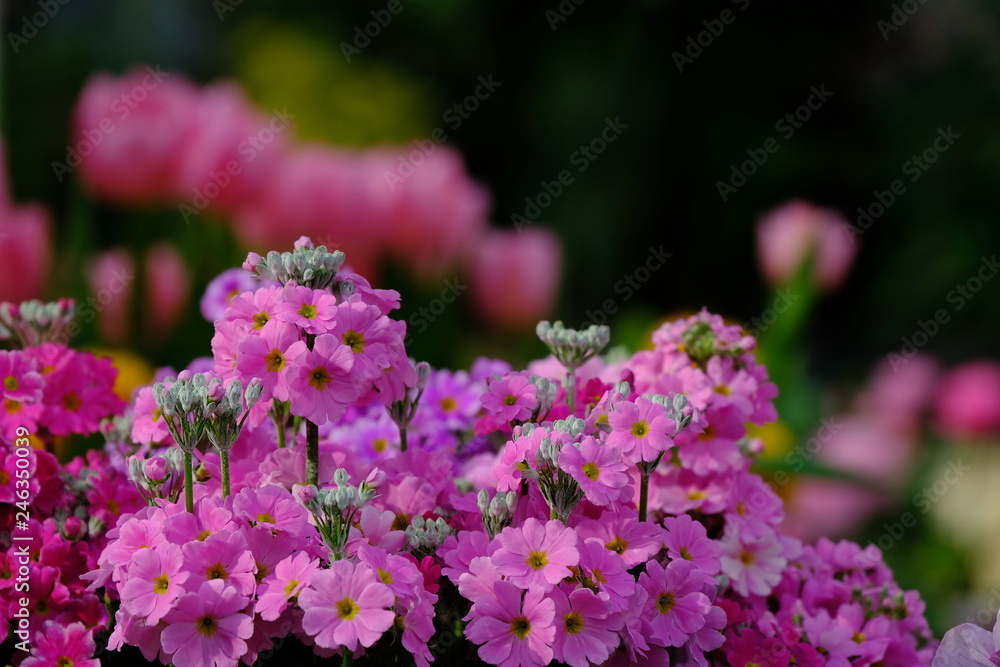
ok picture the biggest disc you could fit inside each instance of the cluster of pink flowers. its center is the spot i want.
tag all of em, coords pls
(578, 511)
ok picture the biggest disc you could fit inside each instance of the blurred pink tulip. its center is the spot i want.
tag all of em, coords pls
(967, 404)
(515, 277)
(110, 276)
(787, 235)
(231, 151)
(168, 286)
(896, 398)
(130, 135)
(25, 244)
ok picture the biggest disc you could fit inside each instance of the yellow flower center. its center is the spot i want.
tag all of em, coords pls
(64, 662)
(319, 378)
(260, 319)
(640, 429)
(354, 340)
(685, 554)
(723, 389)
(386, 577)
(4, 478)
(591, 471)
(265, 517)
(206, 625)
(599, 576)
(308, 311)
(448, 404)
(665, 602)
(537, 560)
(203, 535)
(618, 545)
(12, 406)
(858, 638)
(160, 584)
(216, 572)
(275, 361)
(510, 399)
(573, 623)
(746, 558)
(10, 382)
(72, 402)
(347, 609)
(290, 586)
(380, 444)
(520, 627)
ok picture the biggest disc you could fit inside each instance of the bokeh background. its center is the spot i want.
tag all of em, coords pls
(693, 91)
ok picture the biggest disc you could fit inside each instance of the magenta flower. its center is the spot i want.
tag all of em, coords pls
(290, 576)
(676, 606)
(365, 330)
(642, 429)
(511, 398)
(688, 540)
(18, 378)
(207, 627)
(273, 507)
(622, 532)
(586, 630)
(223, 556)
(321, 384)
(312, 310)
(598, 469)
(222, 289)
(264, 357)
(254, 308)
(400, 575)
(346, 606)
(61, 646)
(517, 456)
(512, 632)
(605, 572)
(537, 555)
(155, 578)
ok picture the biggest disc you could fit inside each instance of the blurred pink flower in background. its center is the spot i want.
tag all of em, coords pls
(232, 150)
(25, 244)
(896, 399)
(786, 236)
(967, 404)
(515, 278)
(853, 444)
(110, 276)
(168, 286)
(130, 134)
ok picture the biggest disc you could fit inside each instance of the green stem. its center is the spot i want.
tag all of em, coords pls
(224, 458)
(402, 439)
(348, 656)
(643, 494)
(312, 453)
(281, 434)
(188, 483)
(571, 390)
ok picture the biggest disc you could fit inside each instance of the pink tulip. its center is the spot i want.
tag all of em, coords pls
(968, 401)
(786, 236)
(130, 135)
(25, 245)
(110, 277)
(168, 286)
(515, 277)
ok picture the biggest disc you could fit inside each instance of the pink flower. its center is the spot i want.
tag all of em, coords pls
(224, 556)
(597, 468)
(155, 578)
(274, 508)
(399, 574)
(518, 455)
(512, 632)
(366, 331)
(515, 279)
(586, 631)
(148, 424)
(222, 289)
(622, 532)
(321, 385)
(207, 627)
(676, 605)
(290, 576)
(265, 357)
(59, 645)
(687, 539)
(605, 572)
(346, 605)
(752, 562)
(312, 310)
(256, 308)
(537, 555)
(110, 277)
(168, 285)
(18, 377)
(26, 251)
(788, 235)
(641, 429)
(510, 398)
(968, 401)
(130, 135)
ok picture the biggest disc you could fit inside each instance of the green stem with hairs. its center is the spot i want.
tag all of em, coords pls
(643, 494)
(312, 453)
(571, 389)
(402, 439)
(188, 483)
(224, 458)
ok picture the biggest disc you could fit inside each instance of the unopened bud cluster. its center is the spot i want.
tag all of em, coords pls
(35, 322)
(334, 509)
(307, 265)
(158, 476)
(193, 407)
(571, 347)
(498, 513)
(425, 535)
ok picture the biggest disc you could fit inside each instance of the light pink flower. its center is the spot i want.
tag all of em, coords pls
(586, 630)
(155, 578)
(512, 632)
(598, 469)
(312, 310)
(537, 555)
(641, 429)
(346, 605)
(321, 385)
(207, 627)
(290, 576)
